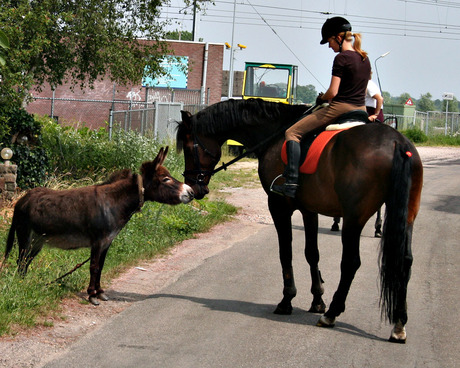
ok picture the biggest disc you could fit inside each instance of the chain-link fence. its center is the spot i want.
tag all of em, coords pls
(155, 114)
(431, 122)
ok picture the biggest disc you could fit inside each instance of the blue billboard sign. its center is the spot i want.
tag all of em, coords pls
(177, 73)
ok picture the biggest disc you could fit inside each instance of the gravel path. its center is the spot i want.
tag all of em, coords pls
(34, 347)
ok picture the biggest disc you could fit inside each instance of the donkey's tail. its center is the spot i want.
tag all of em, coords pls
(10, 239)
(393, 246)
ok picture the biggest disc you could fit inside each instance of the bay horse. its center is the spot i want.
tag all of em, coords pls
(359, 170)
(90, 216)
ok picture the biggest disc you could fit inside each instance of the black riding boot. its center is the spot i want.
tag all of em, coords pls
(291, 172)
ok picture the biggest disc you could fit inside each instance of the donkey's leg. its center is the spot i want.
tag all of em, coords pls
(310, 221)
(94, 270)
(398, 334)
(29, 247)
(281, 215)
(100, 292)
(350, 263)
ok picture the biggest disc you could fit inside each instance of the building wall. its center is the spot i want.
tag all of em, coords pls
(95, 114)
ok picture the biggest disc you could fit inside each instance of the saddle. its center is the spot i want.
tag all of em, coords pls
(313, 144)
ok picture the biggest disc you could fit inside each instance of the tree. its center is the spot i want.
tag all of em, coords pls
(426, 103)
(80, 41)
(179, 35)
(4, 45)
(307, 94)
(453, 105)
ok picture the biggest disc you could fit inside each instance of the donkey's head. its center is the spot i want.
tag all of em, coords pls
(160, 186)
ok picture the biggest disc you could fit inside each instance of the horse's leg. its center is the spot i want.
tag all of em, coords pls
(94, 270)
(398, 333)
(281, 215)
(349, 265)
(310, 221)
(100, 292)
(378, 224)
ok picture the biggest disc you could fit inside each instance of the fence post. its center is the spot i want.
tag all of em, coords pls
(110, 124)
(52, 103)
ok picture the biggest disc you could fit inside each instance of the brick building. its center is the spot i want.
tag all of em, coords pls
(203, 80)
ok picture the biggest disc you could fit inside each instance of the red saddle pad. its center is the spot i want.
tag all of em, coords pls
(311, 161)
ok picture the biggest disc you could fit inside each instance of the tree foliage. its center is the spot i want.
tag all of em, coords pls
(80, 41)
(307, 94)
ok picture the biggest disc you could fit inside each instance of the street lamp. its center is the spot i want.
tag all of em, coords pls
(232, 57)
(376, 70)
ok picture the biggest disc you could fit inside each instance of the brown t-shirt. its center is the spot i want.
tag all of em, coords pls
(354, 73)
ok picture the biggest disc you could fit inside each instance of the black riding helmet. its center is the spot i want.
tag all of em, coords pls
(334, 26)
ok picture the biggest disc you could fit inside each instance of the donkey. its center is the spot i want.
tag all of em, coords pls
(90, 216)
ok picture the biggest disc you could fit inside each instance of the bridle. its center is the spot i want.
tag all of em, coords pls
(197, 176)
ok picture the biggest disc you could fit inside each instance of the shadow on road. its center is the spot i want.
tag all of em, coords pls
(265, 311)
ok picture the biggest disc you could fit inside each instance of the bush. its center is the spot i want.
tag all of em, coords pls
(76, 151)
(415, 135)
(22, 133)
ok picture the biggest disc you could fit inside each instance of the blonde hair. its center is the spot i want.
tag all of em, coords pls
(356, 44)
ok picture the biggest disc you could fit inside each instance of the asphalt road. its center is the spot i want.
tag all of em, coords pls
(219, 314)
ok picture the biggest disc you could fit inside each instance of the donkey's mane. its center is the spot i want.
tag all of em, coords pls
(117, 175)
(230, 114)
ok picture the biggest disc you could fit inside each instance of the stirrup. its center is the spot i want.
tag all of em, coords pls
(285, 189)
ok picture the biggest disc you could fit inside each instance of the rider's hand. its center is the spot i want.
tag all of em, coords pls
(319, 99)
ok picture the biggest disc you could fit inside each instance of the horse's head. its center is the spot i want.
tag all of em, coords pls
(201, 152)
(160, 186)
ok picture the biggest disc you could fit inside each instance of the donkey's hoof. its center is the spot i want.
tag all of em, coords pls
(283, 310)
(102, 297)
(326, 322)
(93, 300)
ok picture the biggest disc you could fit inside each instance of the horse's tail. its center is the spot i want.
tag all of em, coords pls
(393, 278)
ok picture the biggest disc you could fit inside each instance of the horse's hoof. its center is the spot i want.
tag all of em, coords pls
(102, 297)
(93, 300)
(398, 335)
(317, 308)
(326, 322)
(286, 311)
(378, 234)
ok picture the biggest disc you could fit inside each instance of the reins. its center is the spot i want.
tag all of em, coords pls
(245, 153)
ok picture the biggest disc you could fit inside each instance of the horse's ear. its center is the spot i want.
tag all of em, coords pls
(186, 117)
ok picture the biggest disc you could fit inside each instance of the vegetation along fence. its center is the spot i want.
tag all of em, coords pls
(431, 122)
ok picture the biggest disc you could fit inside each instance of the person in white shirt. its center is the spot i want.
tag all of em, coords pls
(374, 102)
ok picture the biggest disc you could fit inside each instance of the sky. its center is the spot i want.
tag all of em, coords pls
(421, 36)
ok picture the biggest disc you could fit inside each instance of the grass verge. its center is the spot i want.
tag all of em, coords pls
(26, 302)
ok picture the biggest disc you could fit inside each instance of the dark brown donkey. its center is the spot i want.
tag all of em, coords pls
(90, 216)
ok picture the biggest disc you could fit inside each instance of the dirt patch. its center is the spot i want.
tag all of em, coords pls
(35, 347)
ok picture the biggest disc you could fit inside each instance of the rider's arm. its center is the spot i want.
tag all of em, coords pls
(333, 89)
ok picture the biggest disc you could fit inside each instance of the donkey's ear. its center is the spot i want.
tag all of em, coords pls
(160, 157)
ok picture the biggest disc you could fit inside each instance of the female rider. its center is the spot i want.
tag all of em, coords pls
(350, 73)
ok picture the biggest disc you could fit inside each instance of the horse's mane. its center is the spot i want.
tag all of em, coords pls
(230, 114)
